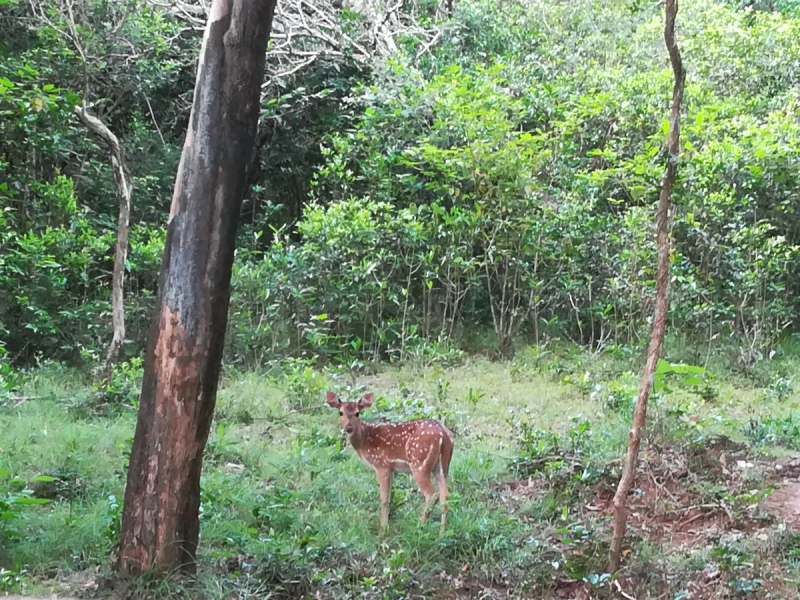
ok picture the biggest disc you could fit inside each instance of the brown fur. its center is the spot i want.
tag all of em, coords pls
(423, 447)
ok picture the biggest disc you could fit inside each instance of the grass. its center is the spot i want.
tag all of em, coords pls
(288, 512)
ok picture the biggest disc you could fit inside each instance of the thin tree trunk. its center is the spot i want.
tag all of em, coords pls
(662, 303)
(122, 181)
(160, 525)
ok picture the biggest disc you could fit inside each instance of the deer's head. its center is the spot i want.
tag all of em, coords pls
(350, 412)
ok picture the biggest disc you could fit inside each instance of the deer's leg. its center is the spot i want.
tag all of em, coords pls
(441, 483)
(385, 482)
(422, 476)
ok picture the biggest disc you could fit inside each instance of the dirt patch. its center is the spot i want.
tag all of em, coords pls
(784, 503)
(676, 519)
(663, 505)
(463, 585)
(785, 471)
(688, 498)
(519, 490)
(715, 455)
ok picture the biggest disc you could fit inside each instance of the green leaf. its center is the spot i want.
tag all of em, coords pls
(663, 367)
(31, 501)
(44, 478)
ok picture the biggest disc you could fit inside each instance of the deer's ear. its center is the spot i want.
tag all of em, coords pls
(366, 401)
(333, 401)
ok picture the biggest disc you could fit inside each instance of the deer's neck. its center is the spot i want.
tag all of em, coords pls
(360, 435)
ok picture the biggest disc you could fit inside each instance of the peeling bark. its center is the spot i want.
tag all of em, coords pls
(662, 301)
(160, 525)
(122, 181)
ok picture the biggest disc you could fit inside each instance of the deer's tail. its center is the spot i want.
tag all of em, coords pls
(447, 451)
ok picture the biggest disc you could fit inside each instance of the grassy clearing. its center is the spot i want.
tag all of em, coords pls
(287, 511)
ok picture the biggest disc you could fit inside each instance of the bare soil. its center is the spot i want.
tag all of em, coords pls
(784, 503)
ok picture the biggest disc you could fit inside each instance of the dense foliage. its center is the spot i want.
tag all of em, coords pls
(56, 187)
(495, 187)
(509, 182)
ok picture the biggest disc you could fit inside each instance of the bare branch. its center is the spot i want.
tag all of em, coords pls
(306, 31)
(153, 116)
(122, 179)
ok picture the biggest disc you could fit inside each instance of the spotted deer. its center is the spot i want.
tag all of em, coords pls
(422, 447)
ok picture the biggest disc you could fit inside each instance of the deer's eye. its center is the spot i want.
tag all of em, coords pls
(341, 414)
(358, 414)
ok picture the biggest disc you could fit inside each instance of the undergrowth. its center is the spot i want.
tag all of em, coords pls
(288, 510)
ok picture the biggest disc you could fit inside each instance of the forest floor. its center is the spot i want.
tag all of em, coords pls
(288, 511)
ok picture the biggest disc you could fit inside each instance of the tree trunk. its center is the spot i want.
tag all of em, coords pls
(662, 303)
(160, 525)
(122, 180)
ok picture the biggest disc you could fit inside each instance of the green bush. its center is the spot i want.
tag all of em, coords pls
(519, 199)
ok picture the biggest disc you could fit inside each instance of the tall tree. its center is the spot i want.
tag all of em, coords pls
(160, 525)
(662, 302)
